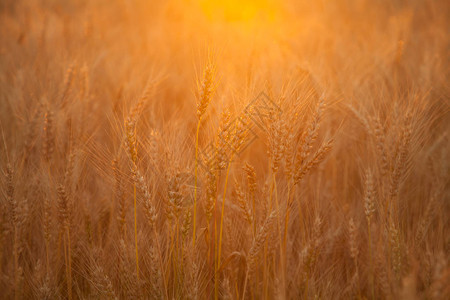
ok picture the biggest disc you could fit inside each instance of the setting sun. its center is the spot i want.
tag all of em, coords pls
(239, 10)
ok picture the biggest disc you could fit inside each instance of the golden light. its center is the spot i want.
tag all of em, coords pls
(239, 11)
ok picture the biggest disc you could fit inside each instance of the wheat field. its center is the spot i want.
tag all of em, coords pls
(250, 149)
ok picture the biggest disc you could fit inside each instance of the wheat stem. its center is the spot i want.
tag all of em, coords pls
(222, 213)
(216, 282)
(69, 284)
(135, 231)
(160, 262)
(370, 260)
(286, 224)
(195, 181)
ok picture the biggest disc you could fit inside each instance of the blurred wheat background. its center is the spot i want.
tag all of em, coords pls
(132, 165)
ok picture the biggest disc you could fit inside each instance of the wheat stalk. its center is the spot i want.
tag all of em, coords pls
(257, 246)
(64, 217)
(206, 90)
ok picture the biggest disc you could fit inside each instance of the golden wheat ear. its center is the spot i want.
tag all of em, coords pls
(205, 94)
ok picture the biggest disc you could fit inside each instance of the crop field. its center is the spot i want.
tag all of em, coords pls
(252, 149)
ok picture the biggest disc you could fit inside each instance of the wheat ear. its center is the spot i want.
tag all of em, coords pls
(206, 90)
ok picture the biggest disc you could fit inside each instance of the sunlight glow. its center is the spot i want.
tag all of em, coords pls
(239, 11)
